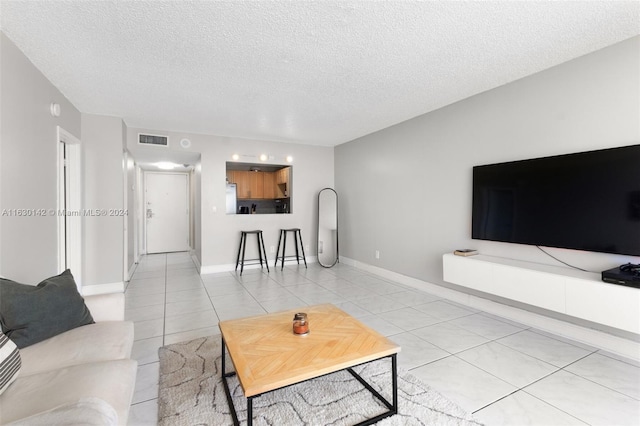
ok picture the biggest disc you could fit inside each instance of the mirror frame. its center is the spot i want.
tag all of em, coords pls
(337, 259)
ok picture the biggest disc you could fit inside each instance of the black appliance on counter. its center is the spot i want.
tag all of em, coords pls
(282, 205)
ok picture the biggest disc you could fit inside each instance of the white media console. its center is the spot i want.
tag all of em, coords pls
(567, 291)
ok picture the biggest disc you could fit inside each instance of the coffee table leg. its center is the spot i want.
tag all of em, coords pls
(391, 406)
(249, 411)
(223, 345)
(394, 378)
(227, 392)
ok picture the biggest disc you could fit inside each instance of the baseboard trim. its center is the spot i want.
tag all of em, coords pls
(92, 290)
(195, 260)
(231, 267)
(216, 269)
(130, 271)
(596, 338)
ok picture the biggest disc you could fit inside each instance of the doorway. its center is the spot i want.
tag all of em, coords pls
(166, 212)
(69, 205)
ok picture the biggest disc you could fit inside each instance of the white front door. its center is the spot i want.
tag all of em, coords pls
(167, 212)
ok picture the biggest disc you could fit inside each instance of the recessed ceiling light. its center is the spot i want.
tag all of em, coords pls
(289, 159)
(263, 157)
(165, 165)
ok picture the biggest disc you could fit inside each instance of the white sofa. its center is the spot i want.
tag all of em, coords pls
(82, 376)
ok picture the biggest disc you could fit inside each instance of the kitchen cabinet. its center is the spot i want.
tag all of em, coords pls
(282, 182)
(269, 185)
(241, 179)
(256, 185)
(260, 185)
(253, 185)
(282, 176)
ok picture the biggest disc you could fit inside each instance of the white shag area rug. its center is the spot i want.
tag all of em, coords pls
(191, 393)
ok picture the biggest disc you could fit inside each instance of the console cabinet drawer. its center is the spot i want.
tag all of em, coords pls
(574, 293)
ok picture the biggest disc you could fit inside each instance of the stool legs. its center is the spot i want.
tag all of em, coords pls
(278, 250)
(262, 252)
(243, 241)
(284, 250)
(266, 263)
(259, 250)
(242, 235)
(302, 248)
(297, 237)
(295, 240)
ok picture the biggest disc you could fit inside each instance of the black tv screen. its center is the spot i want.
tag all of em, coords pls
(585, 201)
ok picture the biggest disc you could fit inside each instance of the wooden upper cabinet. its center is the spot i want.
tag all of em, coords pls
(241, 179)
(260, 185)
(282, 183)
(269, 185)
(282, 176)
(256, 184)
(231, 176)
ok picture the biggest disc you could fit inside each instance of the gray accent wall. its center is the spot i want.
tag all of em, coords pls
(406, 190)
(28, 165)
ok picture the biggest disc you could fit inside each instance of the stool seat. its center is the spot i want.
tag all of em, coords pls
(262, 253)
(297, 236)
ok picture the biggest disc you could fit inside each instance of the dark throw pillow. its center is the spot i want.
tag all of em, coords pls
(30, 314)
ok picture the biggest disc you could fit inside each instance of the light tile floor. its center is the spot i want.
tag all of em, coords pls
(502, 372)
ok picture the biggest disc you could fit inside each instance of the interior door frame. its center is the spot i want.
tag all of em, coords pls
(127, 160)
(144, 205)
(69, 204)
(141, 229)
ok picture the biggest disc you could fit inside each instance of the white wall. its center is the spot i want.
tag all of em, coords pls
(220, 233)
(406, 190)
(103, 183)
(28, 173)
(28, 165)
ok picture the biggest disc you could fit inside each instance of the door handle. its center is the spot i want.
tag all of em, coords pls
(149, 214)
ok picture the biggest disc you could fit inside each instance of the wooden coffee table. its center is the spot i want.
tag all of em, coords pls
(268, 356)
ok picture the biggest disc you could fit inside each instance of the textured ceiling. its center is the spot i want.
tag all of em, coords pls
(315, 72)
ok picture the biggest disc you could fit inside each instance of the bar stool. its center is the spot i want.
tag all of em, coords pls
(297, 237)
(243, 246)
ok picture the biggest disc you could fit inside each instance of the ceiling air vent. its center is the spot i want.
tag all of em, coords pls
(155, 140)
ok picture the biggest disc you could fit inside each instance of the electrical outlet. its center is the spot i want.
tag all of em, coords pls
(377, 254)
(272, 249)
(320, 247)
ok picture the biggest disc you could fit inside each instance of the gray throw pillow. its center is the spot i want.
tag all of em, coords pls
(30, 314)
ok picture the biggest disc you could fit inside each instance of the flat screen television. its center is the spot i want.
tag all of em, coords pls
(585, 201)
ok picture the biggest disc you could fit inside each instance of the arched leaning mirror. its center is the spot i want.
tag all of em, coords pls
(328, 228)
